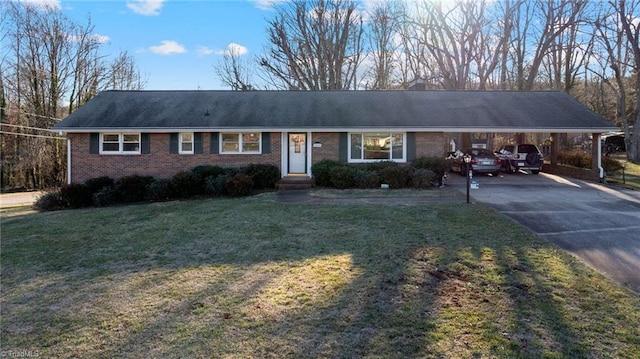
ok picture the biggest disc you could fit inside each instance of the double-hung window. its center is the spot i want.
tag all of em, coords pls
(244, 142)
(185, 146)
(120, 143)
(377, 146)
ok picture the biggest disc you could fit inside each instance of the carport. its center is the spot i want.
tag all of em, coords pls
(548, 112)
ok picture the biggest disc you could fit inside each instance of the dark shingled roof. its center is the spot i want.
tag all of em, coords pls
(448, 111)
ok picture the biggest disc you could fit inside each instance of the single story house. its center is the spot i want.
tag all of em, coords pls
(160, 133)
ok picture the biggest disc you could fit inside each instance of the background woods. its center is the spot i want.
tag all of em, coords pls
(50, 65)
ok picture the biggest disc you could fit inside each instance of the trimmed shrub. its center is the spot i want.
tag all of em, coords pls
(321, 172)
(230, 171)
(215, 185)
(395, 176)
(107, 196)
(50, 201)
(439, 166)
(379, 166)
(581, 159)
(98, 183)
(363, 178)
(424, 178)
(186, 184)
(132, 188)
(239, 185)
(76, 195)
(160, 190)
(264, 176)
(204, 171)
(575, 158)
(342, 176)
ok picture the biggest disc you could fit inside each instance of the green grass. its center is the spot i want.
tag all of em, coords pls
(629, 178)
(253, 277)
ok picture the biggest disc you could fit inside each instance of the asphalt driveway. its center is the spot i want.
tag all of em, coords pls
(599, 224)
(18, 199)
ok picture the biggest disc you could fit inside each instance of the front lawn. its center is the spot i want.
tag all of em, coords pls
(253, 277)
(628, 177)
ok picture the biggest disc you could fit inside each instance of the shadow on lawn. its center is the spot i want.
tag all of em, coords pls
(346, 281)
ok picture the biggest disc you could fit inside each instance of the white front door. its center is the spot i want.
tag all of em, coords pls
(297, 153)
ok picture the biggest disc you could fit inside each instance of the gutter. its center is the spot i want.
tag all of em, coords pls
(335, 129)
(600, 168)
(68, 161)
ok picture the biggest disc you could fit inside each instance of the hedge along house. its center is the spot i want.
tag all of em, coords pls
(159, 133)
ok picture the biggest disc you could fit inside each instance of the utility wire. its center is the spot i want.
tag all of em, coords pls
(30, 135)
(34, 114)
(27, 127)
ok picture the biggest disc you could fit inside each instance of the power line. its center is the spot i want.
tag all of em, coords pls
(34, 114)
(27, 127)
(30, 135)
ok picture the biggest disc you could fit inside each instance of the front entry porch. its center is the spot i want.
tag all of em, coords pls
(294, 183)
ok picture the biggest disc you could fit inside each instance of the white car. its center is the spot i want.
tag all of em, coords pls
(521, 157)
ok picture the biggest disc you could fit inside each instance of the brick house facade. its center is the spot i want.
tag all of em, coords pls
(160, 133)
(159, 162)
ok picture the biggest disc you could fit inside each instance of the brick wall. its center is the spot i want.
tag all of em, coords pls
(431, 144)
(159, 163)
(428, 144)
(329, 149)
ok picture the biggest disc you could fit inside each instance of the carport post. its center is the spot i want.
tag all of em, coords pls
(596, 155)
(554, 149)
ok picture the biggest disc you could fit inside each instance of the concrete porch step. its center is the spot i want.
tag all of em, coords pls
(294, 183)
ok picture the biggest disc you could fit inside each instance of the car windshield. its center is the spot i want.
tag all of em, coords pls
(480, 152)
(507, 149)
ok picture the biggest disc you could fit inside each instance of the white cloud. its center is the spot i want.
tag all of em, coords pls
(204, 51)
(43, 4)
(145, 7)
(266, 4)
(233, 49)
(168, 47)
(101, 38)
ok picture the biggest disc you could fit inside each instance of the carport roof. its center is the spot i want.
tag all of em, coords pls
(430, 111)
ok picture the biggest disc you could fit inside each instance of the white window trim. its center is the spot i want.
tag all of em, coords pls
(180, 142)
(240, 144)
(120, 150)
(363, 160)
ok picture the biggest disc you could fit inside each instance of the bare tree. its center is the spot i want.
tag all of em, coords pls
(383, 25)
(449, 32)
(539, 24)
(234, 71)
(412, 53)
(51, 66)
(314, 45)
(567, 55)
(617, 65)
(124, 75)
(629, 14)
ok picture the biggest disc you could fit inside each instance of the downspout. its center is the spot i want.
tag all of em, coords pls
(599, 161)
(68, 161)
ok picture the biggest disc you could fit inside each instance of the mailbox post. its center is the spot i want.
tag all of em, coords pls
(467, 161)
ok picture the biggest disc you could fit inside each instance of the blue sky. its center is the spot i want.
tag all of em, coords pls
(175, 43)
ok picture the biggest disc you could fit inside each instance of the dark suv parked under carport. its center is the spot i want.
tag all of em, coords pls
(521, 157)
